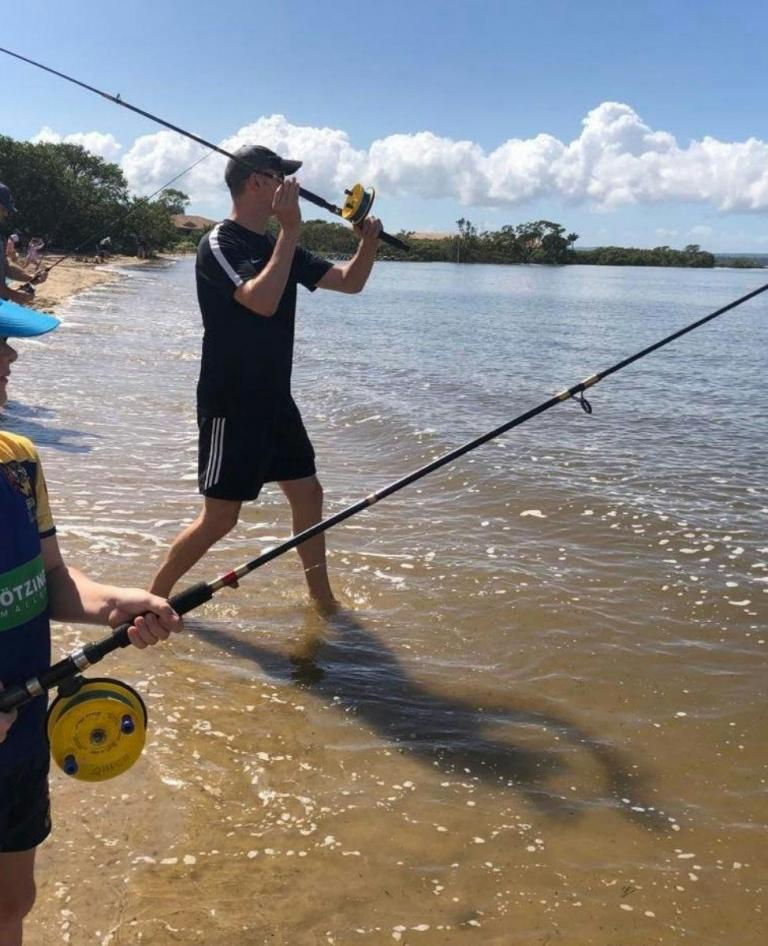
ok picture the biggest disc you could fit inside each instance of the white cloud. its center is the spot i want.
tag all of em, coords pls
(330, 161)
(616, 160)
(701, 232)
(103, 145)
(154, 159)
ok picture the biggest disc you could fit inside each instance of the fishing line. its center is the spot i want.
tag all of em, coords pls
(198, 594)
(359, 199)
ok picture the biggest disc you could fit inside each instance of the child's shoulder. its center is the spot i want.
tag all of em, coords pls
(16, 447)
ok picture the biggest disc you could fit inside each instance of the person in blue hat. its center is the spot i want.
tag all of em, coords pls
(11, 269)
(36, 585)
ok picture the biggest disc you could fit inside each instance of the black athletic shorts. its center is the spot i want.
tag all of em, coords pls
(238, 455)
(25, 811)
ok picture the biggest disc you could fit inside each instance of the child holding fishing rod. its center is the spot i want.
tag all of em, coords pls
(11, 268)
(251, 431)
(36, 585)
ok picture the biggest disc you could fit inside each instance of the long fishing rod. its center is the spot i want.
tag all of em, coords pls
(359, 201)
(198, 594)
(119, 219)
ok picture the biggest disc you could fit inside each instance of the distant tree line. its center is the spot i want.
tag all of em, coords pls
(65, 195)
(692, 256)
(539, 241)
(735, 261)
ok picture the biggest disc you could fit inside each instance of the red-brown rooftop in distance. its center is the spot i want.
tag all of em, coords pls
(192, 222)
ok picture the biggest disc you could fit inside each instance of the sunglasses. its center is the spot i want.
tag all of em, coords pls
(276, 176)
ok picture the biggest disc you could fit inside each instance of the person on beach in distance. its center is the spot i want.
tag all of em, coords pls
(9, 268)
(251, 431)
(35, 586)
(103, 250)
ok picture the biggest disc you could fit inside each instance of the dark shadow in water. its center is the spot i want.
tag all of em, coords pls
(21, 419)
(350, 667)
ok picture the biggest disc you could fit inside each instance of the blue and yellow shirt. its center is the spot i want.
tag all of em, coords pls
(25, 637)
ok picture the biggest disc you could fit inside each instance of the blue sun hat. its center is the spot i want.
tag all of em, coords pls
(17, 321)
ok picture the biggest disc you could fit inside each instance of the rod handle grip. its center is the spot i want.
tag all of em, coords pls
(191, 598)
(393, 241)
(98, 649)
(181, 603)
(184, 601)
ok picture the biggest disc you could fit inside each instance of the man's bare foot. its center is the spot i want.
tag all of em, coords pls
(326, 605)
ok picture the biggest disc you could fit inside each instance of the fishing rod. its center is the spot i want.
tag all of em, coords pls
(359, 199)
(202, 592)
(30, 285)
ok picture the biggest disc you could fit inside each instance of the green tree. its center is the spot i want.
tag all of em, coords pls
(174, 200)
(467, 242)
(554, 246)
(62, 191)
(528, 238)
(70, 197)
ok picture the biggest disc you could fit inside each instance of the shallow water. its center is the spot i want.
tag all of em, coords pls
(541, 716)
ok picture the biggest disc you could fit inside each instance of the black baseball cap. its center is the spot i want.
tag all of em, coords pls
(6, 199)
(252, 158)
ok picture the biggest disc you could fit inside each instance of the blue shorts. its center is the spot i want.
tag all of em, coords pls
(25, 810)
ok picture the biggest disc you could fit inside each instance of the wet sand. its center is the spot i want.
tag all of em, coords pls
(75, 276)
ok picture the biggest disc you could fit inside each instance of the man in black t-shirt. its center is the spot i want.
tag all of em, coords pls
(251, 431)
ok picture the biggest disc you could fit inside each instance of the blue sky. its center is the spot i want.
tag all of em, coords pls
(684, 73)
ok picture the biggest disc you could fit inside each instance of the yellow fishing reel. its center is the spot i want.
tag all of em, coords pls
(358, 204)
(96, 728)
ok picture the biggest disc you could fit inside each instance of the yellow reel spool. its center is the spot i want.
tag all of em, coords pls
(97, 728)
(358, 204)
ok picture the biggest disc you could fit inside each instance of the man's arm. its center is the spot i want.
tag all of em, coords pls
(74, 597)
(351, 277)
(263, 292)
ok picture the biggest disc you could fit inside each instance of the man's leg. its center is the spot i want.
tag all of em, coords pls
(218, 517)
(17, 893)
(306, 498)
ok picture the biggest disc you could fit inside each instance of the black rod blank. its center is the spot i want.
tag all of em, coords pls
(307, 195)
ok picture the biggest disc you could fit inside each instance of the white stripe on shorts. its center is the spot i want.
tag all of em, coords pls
(216, 453)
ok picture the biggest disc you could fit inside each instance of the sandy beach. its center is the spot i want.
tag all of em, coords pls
(74, 276)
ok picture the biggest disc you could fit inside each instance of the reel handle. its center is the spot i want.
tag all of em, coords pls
(70, 666)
